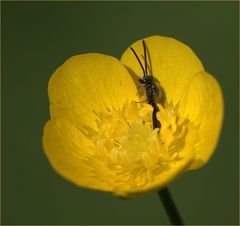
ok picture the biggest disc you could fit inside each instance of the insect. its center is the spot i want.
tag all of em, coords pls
(152, 89)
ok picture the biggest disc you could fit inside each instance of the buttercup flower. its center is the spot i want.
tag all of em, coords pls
(100, 134)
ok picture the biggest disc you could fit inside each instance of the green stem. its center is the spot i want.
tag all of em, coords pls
(170, 207)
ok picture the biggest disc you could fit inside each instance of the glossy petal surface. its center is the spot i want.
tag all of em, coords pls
(87, 84)
(184, 83)
(173, 64)
(203, 105)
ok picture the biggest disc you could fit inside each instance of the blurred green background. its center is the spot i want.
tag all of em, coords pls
(39, 36)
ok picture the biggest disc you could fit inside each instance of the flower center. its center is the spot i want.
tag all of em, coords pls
(130, 148)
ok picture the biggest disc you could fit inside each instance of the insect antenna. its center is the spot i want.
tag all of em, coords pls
(145, 55)
(144, 73)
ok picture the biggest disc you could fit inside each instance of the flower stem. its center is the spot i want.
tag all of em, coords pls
(170, 207)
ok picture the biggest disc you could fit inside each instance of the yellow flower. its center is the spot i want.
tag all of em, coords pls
(100, 134)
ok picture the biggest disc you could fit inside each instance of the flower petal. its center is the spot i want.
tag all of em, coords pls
(184, 82)
(87, 84)
(171, 62)
(68, 151)
(203, 105)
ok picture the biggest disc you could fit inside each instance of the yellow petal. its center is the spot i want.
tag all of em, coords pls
(184, 82)
(203, 105)
(87, 84)
(68, 151)
(173, 64)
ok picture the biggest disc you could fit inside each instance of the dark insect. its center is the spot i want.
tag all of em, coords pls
(152, 89)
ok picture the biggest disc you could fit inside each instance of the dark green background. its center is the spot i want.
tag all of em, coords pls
(38, 37)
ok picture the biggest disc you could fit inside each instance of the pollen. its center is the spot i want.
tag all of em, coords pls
(131, 149)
